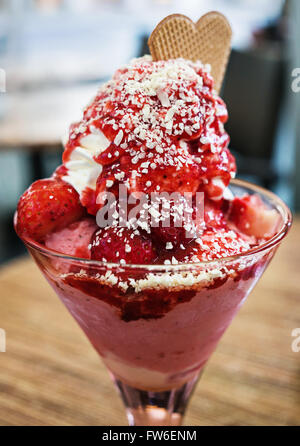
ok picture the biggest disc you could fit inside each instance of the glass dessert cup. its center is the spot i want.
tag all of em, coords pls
(155, 326)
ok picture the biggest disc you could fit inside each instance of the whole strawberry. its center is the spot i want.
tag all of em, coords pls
(170, 237)
(47, 205)
(117, 245)
(252, 217)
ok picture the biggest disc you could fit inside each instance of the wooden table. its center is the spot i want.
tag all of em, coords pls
(50, 375)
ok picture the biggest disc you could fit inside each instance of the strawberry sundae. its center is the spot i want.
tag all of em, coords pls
(140, 232)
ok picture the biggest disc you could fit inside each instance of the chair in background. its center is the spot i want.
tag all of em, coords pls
(253, 91)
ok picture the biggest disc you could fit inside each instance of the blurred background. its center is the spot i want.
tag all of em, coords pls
(54, 54)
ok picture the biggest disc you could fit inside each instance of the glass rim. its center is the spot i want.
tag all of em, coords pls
(281, 207)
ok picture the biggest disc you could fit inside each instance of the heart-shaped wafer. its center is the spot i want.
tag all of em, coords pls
(208, 40)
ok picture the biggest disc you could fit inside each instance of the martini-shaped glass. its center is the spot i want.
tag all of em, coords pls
(156, 335)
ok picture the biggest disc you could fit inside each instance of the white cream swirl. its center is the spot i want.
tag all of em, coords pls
(83, 170)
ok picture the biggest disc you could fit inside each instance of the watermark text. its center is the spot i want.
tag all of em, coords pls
(296, 81)
(296, 342)
(2, 341)
(2, 81)
(146, 211)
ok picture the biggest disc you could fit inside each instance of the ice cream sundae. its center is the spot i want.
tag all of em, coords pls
(155, 278)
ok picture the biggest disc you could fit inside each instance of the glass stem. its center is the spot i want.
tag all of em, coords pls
(164, 408)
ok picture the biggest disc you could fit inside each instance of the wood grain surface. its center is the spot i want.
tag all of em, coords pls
(50, 375)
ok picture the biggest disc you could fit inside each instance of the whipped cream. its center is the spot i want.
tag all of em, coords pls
(83, 170)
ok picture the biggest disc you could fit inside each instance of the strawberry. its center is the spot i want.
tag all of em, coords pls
(214, 218)
(114, 244)
(214, 215)
(172, 236)
(212, 245)
(252, 217)
(218, 171)
(47, 205)
(168, 179)
(175, 220)
(168, 235)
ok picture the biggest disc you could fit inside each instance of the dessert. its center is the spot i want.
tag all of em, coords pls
(153, 291)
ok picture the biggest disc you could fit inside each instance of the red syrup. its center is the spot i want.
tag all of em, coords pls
(155, 303)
